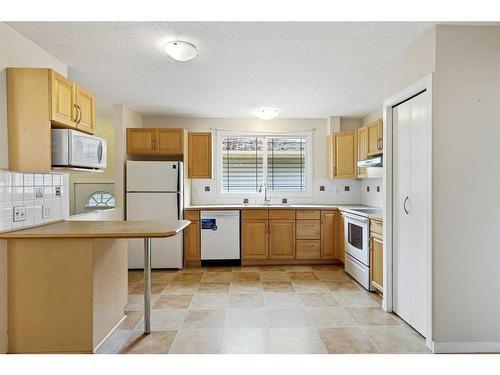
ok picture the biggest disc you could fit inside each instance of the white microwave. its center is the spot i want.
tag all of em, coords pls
(71, 148)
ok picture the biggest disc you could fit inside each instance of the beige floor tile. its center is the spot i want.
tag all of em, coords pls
(131, 286)
(162, 320)
(298, 268)
(288, 318)
(135, 302)
(295, 341)
(238, 287)
(219, 269)
(155, 343)
(131, 320)
(310, 286)
(216, 277)
(355, 299)
(213, 288)
(299, 276)
(274, 276)
(333, 276)
(156, 288)
(244, 301)
(346, 340)
(172, 302)
(135, 276)
(204, 319)
(181, 287)
(246, 276)
(282, 300)
(325, 317)
(197, 341)
(272, 268)
(247, 318)
(114, 342)
(318, 300)
(278, 287)
(327, 267)
(209, 301)
(194, 269)
(372, 316)
(246, 269)
(188, 276)
(343, 286)
(245, 341)
(162, 276)
(395, 340)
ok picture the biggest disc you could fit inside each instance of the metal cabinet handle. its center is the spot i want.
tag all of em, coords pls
(379, 144)
(76, 115)
(80, 112)
(404, 205)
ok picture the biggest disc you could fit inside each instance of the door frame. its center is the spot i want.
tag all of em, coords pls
(424, 84)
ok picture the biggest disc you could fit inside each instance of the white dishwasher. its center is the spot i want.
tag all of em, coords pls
(220, 237)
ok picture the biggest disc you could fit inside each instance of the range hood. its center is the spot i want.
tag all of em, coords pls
(375, 162)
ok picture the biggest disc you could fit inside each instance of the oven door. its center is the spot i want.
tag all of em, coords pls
(356, 238)
(86, 151)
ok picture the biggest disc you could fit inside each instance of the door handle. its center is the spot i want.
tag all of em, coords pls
(76, 115)
(404, 205)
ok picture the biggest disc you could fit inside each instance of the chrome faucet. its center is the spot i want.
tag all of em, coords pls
(267, 199)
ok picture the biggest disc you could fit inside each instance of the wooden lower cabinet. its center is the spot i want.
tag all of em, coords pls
(192, 249)
(308, 249)
(254, 239)
(376, 262)
(328, 235)
(281, 239)
(340, 237)
(308, 229)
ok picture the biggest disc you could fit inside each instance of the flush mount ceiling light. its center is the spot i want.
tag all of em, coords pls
(267, 113)
(181, 51)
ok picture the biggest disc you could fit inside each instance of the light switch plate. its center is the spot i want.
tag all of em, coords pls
(19, 214)
(46, 212)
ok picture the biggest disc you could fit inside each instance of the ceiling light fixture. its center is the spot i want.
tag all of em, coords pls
(267, 113)
(181, 51)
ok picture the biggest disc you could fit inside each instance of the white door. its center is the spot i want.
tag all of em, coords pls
(152, 175)
(410, 129)
(166, 252)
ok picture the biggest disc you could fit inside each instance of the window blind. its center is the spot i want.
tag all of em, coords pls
(286, 164)
(242, 164)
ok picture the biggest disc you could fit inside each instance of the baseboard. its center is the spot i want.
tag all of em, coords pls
(466, 346)
(109, 333)
(3, 343)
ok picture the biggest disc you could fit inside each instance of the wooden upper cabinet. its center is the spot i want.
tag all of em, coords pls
(281, 239)
(342, 148)
(362, 149)
(169, 141)
(200, 155)
(375, 138)
(63, 108)
(328, 234)
(254, 239)
(85, 120)
(140, 140)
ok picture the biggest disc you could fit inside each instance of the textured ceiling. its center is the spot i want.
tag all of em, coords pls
(308, 70)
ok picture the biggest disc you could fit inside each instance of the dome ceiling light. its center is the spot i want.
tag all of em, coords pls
(267, 113)
(181, 51)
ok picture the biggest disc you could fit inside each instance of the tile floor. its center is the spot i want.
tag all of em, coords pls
(270, 309)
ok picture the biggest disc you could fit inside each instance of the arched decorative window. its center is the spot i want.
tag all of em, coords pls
(100, 199)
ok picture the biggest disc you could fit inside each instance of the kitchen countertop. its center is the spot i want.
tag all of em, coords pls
(101, 229)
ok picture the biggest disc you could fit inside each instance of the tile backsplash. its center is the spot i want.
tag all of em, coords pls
(30, 199)
(372, 192)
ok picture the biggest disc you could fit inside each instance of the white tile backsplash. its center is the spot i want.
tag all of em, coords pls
(19, 190)
(372, 197)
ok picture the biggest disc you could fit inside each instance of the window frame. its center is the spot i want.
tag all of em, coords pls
(309, 155)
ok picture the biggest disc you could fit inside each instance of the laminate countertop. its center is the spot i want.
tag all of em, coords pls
(101, 229)
(273, 207)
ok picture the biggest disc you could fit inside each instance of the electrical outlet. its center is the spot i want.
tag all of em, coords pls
(19, 214)
(57, 192)
(38, 192)
(46, 212)
(321, 188)
(368, 189)
(378, 189)
(347, 188)
(207, 188)
(245, 200)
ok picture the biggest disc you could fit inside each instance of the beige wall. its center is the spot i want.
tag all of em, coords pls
(466, 185)
(15, 51)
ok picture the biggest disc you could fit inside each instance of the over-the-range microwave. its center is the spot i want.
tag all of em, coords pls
(71, 148)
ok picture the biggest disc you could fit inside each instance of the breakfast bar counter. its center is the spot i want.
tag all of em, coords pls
(67, 282)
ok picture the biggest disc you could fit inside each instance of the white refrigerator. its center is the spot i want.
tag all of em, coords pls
(154, 191)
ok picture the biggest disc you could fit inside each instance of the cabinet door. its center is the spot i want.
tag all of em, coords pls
(345, 154)
(192, 241)
(376, 261)
(254, 239)
(169, 141)
(362, 149)
(375, 138)
(281, 239)
(140, 141)
(308, 230)
(62, 100)
(308, 249)
(200, 155)
(340, 237)
(85, 110)
(328, 235)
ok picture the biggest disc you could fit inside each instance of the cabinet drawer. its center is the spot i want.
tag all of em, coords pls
(308, 229)
(191, 215)
(281, 215)
(308, 249)
(253, 214)
(308, 215)
(376, 226)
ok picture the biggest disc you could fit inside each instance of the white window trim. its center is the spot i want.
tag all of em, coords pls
(308, 193)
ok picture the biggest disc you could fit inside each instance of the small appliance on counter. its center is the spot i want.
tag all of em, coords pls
(71, 148)
(220, 238)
